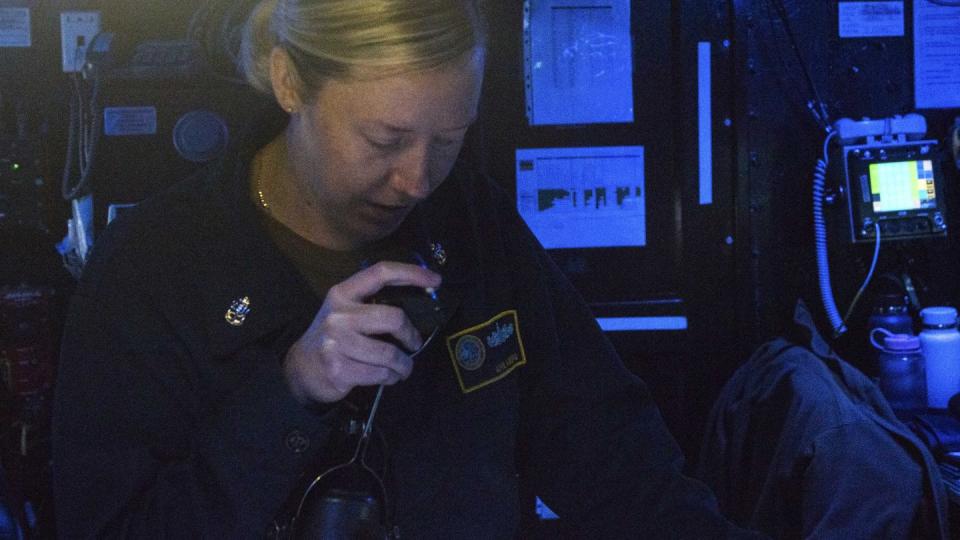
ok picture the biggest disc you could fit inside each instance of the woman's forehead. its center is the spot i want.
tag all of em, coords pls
(446, 99)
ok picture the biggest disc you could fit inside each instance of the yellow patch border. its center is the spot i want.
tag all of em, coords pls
(474, 328)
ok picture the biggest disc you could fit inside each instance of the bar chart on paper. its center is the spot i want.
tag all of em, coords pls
(587, 197)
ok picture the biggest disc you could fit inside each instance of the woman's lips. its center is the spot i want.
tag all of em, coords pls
(386, 212)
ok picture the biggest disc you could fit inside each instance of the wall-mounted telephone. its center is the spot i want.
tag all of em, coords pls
(894, 189)
(893, 179)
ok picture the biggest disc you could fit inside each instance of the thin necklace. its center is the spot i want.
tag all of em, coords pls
(258, 183)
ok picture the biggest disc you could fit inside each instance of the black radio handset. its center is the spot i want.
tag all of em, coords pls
(421, 306)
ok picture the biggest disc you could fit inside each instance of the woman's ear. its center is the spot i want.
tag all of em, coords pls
(284, 80)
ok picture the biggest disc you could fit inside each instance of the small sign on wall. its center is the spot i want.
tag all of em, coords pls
(14, 27)
(870, 19)
(125, 121)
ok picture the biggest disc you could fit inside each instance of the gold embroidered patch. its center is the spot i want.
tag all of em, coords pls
(487, 352)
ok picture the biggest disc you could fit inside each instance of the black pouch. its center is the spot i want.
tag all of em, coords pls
(939, 430)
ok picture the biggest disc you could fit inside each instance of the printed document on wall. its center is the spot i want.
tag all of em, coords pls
(578, 61)
(936, 55)
(870, 19)
(583, 197)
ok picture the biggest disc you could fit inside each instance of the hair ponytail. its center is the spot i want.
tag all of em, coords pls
(259, 38)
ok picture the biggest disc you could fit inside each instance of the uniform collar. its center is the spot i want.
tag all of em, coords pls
(244, 262)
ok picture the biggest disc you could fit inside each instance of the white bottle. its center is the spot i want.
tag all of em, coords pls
(940, 342)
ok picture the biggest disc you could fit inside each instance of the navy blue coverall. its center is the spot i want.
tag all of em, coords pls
(170, 421)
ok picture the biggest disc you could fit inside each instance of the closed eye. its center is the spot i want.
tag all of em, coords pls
(385, 145)
(445, 143)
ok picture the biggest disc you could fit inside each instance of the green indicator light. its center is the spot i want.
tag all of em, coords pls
(16, 166)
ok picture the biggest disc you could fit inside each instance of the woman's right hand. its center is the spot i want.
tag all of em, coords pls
(339, 350)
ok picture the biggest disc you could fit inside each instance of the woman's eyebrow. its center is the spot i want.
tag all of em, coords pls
(401, 129)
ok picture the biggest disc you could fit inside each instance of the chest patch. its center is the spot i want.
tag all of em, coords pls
(487, 352)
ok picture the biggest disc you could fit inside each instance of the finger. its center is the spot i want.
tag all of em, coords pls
(374, 352)
(365, 375)
(369, 281)
(383, 319)
(373, 320)
(348, 373)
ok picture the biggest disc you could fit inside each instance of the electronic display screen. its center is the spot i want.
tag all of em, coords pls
(902, 185)
(584, 197)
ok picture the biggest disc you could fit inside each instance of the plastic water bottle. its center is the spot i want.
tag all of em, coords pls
(891, 312)
(940, 342)
(902, 378)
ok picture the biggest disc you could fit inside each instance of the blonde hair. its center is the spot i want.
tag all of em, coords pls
(327, 39)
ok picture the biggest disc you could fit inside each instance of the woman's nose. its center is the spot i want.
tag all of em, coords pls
(411, 175)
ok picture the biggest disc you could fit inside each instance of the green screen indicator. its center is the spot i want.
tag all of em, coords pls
(902, 185)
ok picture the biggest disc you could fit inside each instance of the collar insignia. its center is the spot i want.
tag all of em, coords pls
(438, 253)
(237, 312)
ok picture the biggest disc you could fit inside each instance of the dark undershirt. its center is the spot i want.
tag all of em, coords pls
(323, 268)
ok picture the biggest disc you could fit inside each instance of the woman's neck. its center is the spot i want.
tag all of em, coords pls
(278, 192)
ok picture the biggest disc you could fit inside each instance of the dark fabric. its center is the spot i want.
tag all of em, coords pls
(169, 422)
(323, 268)
(11, 511)
(802, 445)
(939, 430)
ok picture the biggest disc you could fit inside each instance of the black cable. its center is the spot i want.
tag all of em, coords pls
(95, 126)
(820, 113)
(83, 134)
(198, 21)
(789, 82)
(231, 33)
(216, 27)
(68, 191)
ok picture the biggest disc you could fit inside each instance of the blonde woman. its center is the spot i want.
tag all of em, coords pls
(226, 345)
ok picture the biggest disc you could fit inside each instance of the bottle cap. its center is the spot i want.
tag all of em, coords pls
(939, 316)
(891, 303)
(901, 342)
